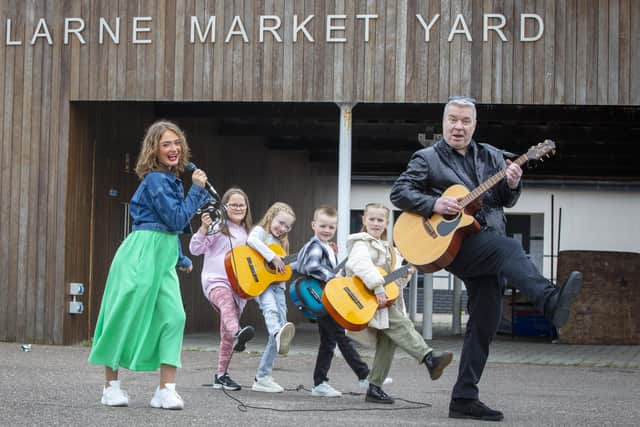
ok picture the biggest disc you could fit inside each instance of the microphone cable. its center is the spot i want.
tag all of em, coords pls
(242, 406)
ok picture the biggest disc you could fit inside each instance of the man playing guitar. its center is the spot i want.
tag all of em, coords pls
(486, 259)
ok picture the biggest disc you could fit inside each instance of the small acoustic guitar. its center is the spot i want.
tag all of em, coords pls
(432, 243)
(250, 274)
(352, 305)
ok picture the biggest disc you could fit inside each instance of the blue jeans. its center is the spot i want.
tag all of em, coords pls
(274, 310)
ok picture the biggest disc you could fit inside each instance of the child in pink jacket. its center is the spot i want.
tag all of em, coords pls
(214, 241)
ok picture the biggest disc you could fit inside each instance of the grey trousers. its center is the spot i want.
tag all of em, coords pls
(401, 333)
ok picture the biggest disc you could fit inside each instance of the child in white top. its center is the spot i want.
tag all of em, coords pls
(273, 228)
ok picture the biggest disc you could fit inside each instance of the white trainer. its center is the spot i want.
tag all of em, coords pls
(284, 337)
(167, 398)
(267, 385)
(114, 395)
(325, 390)
(364, 384)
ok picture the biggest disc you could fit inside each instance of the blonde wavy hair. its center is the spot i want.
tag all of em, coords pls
(148, 157)
(376, 206)
(247, 222)
(268, 217)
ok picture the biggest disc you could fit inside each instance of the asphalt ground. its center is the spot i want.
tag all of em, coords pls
(534, 382)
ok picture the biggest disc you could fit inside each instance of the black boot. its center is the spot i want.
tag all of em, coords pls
(376, 395)
(473, 409)
(558, 306)
(436, 362)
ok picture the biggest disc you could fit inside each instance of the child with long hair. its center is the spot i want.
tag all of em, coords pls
(390, 327)
(274, 227)
(141, 321)
(214, 241)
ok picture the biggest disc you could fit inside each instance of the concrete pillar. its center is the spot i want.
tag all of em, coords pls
(427, 311)
(344, 178)
(413, 297)
(456, 321)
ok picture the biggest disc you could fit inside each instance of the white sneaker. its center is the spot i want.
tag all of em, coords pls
(364, 384)
(114, 395)
(325, 390)
(267, 385)
(284, 337)
(167, 398)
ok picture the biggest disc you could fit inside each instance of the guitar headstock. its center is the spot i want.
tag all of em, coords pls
(545, 149)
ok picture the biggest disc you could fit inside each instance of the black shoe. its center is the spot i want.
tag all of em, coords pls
(243, 336)
(436, 362)
(225, 381)
(473, 409)
(565, 298)
(376, 395)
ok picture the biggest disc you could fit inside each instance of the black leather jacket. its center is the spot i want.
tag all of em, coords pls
(432, 170)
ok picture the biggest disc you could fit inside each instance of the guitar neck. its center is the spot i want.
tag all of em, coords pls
(396, 274)
(485, 186)
(290, 258)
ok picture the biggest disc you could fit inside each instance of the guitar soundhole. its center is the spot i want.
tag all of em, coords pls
(271, 268)
(449, 225)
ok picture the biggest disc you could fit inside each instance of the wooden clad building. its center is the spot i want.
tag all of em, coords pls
(81, 79)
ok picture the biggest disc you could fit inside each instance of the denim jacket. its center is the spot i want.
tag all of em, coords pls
(159, 205)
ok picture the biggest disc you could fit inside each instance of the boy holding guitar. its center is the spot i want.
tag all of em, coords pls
(390, 327)
(317, 259)
(485, 259)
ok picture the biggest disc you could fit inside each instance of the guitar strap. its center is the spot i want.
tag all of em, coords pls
(392, 259)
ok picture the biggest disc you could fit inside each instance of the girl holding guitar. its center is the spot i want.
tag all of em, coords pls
(274, 227)
(213, 241)
(390, 328)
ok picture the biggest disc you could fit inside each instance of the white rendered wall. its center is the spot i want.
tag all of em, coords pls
(592, 219)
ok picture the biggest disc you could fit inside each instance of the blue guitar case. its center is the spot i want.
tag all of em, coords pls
(306, 294)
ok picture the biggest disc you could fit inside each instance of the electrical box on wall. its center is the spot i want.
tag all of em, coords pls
(76, 307)
(76, 289)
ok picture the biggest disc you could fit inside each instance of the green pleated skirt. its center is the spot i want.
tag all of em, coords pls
(142, 318)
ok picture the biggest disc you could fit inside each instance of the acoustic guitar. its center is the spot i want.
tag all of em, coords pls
(352, 305)
(432, 243)
(306, 294)
(250, 274)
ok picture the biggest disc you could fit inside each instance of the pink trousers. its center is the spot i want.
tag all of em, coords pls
(222, 300)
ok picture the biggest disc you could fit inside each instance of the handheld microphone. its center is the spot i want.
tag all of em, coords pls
(207, 185)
